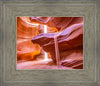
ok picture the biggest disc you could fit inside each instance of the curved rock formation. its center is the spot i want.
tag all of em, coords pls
(69, 39)
(58, 22)
(26, 30)
(70, 42)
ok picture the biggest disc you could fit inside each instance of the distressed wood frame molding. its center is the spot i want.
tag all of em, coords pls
(87, 76)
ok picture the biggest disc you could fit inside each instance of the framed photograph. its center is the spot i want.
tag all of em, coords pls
(51, 43)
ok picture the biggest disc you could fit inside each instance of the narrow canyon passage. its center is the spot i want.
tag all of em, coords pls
(49, 42)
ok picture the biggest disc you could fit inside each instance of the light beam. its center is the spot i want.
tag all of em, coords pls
(45, 53)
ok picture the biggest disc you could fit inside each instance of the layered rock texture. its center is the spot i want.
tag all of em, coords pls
(26, 30)
(68, 32)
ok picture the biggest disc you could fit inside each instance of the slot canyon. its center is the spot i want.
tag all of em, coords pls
(49, 42)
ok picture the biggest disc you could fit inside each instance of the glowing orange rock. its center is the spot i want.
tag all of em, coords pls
(27, 50)
(26, 30)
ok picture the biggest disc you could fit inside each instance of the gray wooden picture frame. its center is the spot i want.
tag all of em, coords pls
(89, 76)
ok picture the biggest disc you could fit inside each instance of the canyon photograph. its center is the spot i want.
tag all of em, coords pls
(49, 42)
